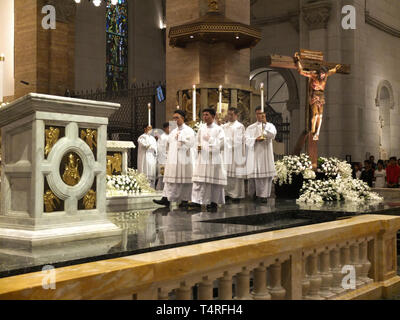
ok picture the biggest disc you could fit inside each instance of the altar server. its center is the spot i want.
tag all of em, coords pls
(209, 176)
(147, 155)
(179, 165)
(260, 156)
(234, 157)
(162, 156)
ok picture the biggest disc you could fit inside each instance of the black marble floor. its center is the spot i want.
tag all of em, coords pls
(162, 228)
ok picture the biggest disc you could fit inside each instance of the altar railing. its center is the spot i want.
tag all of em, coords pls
(354, 258)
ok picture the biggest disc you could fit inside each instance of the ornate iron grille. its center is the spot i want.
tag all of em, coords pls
(128, 122)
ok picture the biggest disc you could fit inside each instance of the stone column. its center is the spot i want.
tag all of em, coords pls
(225, 287)
(206, 289)
(44, 58)
(260, 283)
(315, 278)
(183, 292)
(243, 285)
(199, 62)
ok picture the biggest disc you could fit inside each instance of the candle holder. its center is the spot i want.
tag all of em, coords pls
(263, 137)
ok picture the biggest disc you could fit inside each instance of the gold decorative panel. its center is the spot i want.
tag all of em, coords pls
(90, 137)
(52, 135)
(71, 169)
(114, 163)
(89, 201)
(51, 202)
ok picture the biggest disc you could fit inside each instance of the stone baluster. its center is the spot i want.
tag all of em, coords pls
(366, 264)
(243, 285)
(260, 283)
(336, 268)
(206, 289)
(326, 275)
(277, 291)
(183, 292)
(163, 294)
(345, 258)
(306, 278)
(354, 261)
(225, 287)
(315, 278)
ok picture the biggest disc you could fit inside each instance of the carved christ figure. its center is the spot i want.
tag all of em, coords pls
(316, 92)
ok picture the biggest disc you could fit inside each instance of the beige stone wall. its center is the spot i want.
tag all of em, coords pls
(7, 44)
(90, 50)
(44, 58)
(147, 44)
(382, 58)
(200, 63)
(25, 45)
(351, 117)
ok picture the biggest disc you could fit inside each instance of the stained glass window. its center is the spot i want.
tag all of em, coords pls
(117, 45)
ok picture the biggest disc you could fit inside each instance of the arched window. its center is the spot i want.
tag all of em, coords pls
(117, 45)
(385, 102)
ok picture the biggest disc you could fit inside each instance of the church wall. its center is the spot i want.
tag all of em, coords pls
(279, 38)
(90, 50)
(7, 44)
(382, 58)
(147, 58)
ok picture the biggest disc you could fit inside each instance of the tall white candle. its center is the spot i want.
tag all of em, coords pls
(194, 103)
(220, 99)
(2, 58)
(149, 106)
(262, 97)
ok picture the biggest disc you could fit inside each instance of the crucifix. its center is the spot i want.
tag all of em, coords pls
(311, 65)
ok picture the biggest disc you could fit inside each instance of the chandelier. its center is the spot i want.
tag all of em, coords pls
(97, 3)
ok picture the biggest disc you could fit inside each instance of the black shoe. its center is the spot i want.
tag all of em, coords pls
(255, 197)
(184, 204)
(236, 201)
(194, 207)
(163, 202)
(264, 200)
(227, 198)
(213, 207)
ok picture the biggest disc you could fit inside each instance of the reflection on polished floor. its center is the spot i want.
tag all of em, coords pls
(163, 228)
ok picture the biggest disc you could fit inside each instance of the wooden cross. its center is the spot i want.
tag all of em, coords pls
(310, 61)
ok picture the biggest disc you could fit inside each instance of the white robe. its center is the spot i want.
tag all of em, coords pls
(161, 159)
(147, 157)
(260, 159)
(179, 165)
(209, 176)
(235, 149)
(209, 161)
(235, 159)
(260, 155)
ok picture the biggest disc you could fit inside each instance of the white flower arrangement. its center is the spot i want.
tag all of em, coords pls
(293, 165)
(141, 180)
(334, 167)
(340, 189)
(122, 185)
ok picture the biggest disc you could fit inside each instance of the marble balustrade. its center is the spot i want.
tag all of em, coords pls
(294, 264)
